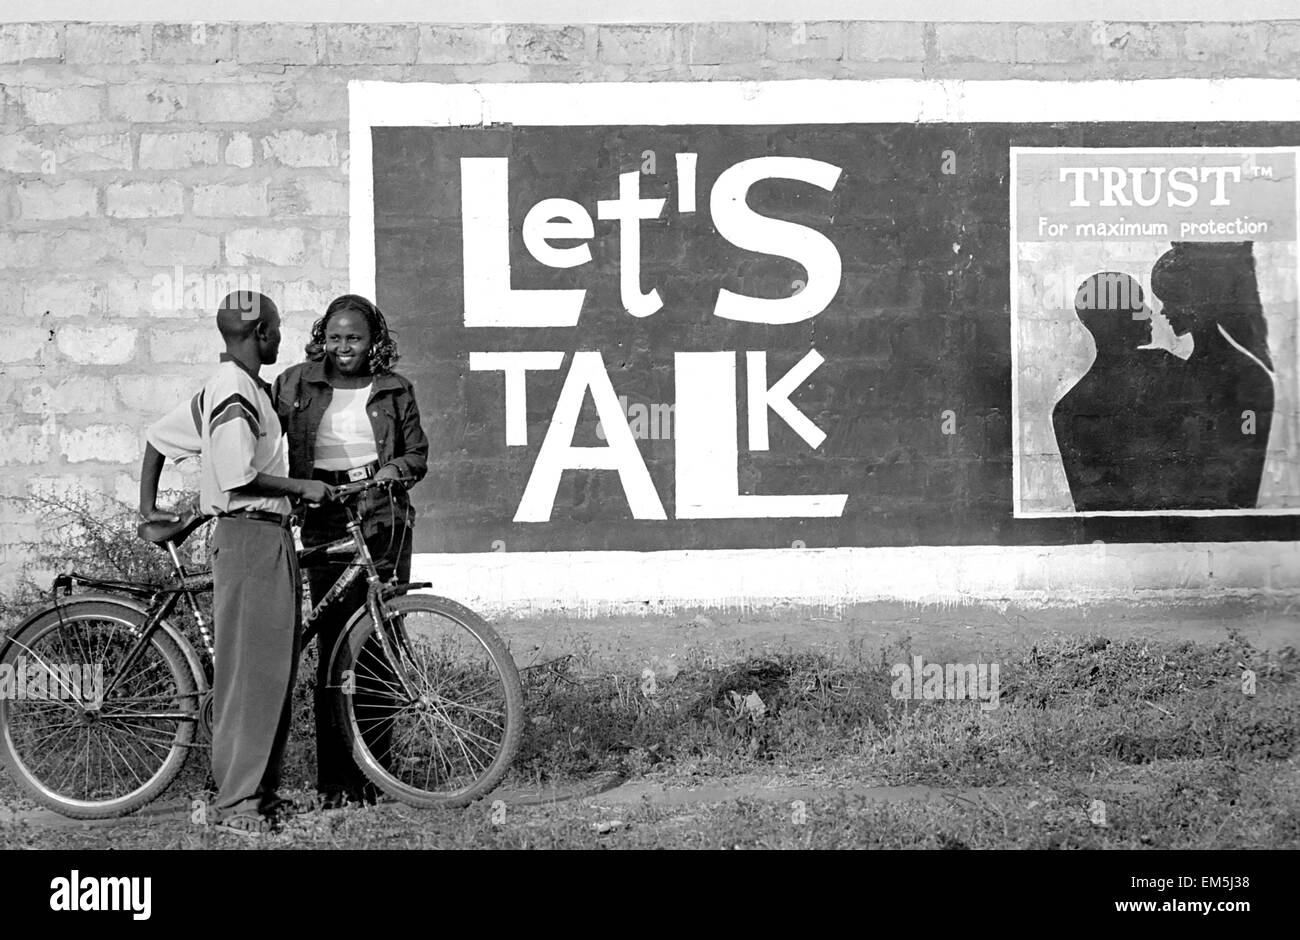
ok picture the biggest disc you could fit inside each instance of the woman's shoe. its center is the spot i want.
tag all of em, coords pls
(278, 808)
(333, 799)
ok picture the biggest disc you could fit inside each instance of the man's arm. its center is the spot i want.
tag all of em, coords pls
(312, 491)
(174, 435)
(150, 471)
(233, 429)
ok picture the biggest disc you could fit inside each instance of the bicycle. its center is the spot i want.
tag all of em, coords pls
(427, 693)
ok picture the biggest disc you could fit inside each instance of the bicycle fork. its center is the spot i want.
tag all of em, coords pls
(375, 608)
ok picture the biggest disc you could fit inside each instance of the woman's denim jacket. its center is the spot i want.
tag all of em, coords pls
(301, 395)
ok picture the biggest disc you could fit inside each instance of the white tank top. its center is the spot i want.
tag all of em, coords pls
(345, 438)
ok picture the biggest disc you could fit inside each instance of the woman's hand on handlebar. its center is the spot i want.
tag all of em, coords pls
(344, 490)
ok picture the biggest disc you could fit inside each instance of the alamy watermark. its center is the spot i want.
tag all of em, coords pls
(651, 421)
(78, 892)
(923, 681)
(40, 681)
(181, 290)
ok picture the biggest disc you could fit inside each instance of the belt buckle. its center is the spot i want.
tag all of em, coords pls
(357, 474)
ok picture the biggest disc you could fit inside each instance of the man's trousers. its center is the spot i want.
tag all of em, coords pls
(256, 613)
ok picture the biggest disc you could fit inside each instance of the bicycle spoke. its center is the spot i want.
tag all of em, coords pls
(373, 726)
(385, 688)
(441, 754)
(159, 682)
(165, 698)
(482, 714)
(80, 646)
(464, 750)
(47, 706)
(155, 748)
(455, 728)
(127, 762)
(156, 716)
(145, 734)
(450, 773)
(380, 671)
(72, 768)
(60, 730)
(488, 687)
(151, 757)
(411, 734)
(37, 740)
(468, 746)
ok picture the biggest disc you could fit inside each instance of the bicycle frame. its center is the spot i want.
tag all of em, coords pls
(163, 600)
(361, 559)
(162, 603)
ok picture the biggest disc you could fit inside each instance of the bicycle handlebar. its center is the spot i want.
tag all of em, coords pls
(347, 490)
(160, 533)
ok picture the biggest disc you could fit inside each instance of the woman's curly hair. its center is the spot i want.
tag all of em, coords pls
(383, 348)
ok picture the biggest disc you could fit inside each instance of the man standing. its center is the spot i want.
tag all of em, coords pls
(244, 480)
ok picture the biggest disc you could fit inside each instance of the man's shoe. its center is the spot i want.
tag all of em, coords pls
(246, 825)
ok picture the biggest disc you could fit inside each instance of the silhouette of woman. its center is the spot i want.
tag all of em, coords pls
(1209, 289)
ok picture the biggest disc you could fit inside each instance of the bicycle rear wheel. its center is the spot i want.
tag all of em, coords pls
(452, 739)
(88, 759)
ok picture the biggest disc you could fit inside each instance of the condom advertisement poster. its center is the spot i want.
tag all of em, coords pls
(1154, 329)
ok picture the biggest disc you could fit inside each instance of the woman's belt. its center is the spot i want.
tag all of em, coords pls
(339, 477)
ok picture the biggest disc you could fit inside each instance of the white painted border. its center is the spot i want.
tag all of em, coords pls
(824, 101)
(1019, 513)
(598, 583)
(595, 583)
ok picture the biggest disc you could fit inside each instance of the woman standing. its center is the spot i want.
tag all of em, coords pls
(350, 417)
(1227, 394)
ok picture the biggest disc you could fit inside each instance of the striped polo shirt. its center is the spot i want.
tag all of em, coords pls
(234, 427)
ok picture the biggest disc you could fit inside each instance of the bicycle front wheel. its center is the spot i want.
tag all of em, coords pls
(445, 736)
(84, 732)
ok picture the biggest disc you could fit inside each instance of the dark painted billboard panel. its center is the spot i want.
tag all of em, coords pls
(752, 336)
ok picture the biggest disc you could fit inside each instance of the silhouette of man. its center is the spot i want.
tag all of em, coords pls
(1226, 393)
(1114, 429)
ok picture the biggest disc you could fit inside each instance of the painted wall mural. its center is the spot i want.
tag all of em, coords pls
(729, 328)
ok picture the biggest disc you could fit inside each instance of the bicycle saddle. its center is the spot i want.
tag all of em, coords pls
(162, 532)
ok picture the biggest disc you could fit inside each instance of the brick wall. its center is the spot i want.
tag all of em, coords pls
(147, 168)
